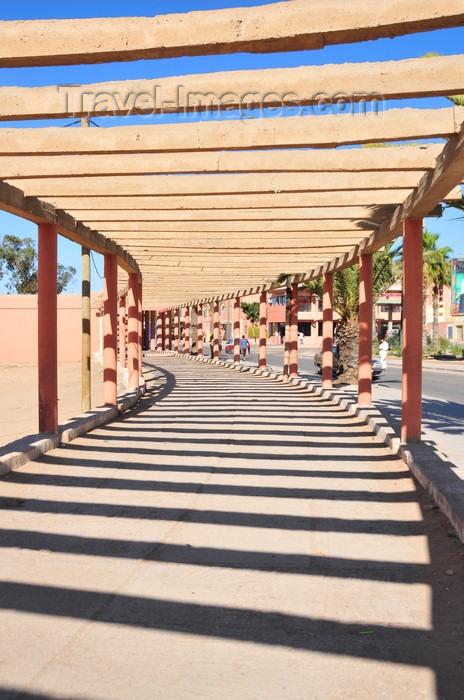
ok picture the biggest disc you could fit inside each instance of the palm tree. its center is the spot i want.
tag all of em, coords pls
(455, 205)
(346, 304)
(437, 273)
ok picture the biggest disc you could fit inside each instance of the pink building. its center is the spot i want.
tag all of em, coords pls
(309, 316)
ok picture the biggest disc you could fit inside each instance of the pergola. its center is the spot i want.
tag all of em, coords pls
(221, 206)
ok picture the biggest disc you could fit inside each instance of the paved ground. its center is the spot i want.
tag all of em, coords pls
(202, 547)
(443, 432)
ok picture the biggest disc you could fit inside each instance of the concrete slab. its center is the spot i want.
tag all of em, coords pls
(230, 537)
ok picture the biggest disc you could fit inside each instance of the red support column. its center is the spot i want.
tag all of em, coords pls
(167, 330)
(110, 332)
(140, 328)
(122, 332)
(200, 329)
(182, 332)
(365, 331)
(216, 352)
(263, 330)
(163, 329)
(286, 367)
(145, 330)
(152, 330)
(133, 366)
(237, 314)
(327, 330)
(293, 331)
(159, 331)
(86, 369)
(47, 330)
(412, 330)
(176, 329)
(186, 348)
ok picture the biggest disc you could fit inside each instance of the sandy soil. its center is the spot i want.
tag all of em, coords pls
(19, 402)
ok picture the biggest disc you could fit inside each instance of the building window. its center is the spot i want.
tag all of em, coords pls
(278, 301)
(449, 332)
(395, 308)
(459, 334)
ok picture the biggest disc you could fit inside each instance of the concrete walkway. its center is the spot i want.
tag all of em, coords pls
(230, 538)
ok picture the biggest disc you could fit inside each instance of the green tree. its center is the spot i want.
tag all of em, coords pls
(346, 304)
(437, 274)
(251, 311)
(18, 257)
(18, 261)
(64, 277)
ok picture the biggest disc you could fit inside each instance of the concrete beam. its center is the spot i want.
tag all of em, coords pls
(395, 158)
(229, 202)
(291, 132)
(431, 189)
(15, 202)
(220, 215)
(274, 267)
(295, 26)
(231, 184)
(223, 228)
(248, 91)
(262, 250)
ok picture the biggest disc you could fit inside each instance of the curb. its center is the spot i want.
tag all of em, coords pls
(32, 446)
(425, 465)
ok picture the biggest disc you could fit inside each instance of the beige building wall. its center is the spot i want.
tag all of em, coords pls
(18, 322)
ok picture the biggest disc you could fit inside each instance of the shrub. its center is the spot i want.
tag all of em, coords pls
(253, 332)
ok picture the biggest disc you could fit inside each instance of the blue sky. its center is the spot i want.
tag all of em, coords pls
(446, 42)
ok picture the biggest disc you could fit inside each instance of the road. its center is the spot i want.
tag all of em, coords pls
(437, 383)
(442, 404)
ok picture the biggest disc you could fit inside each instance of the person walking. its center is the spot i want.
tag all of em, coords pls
(383, 351)
(243, 346)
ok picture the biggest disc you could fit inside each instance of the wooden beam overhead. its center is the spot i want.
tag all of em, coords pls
(239, 201)
(325, 131)
(13, 201)
(210, 216)
(247, 91)
(218, 202)
(226, 228)
(262, 246)
(230, 184)
(393, 159)
(433, 185)
(308, 24)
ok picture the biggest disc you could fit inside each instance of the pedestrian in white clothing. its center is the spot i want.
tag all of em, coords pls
(383, 350)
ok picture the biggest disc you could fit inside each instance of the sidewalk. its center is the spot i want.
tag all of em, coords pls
(446, 435)
(437, 461)
(205, 547)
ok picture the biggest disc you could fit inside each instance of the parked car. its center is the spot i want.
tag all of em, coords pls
(230, 346)
(376, 364)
